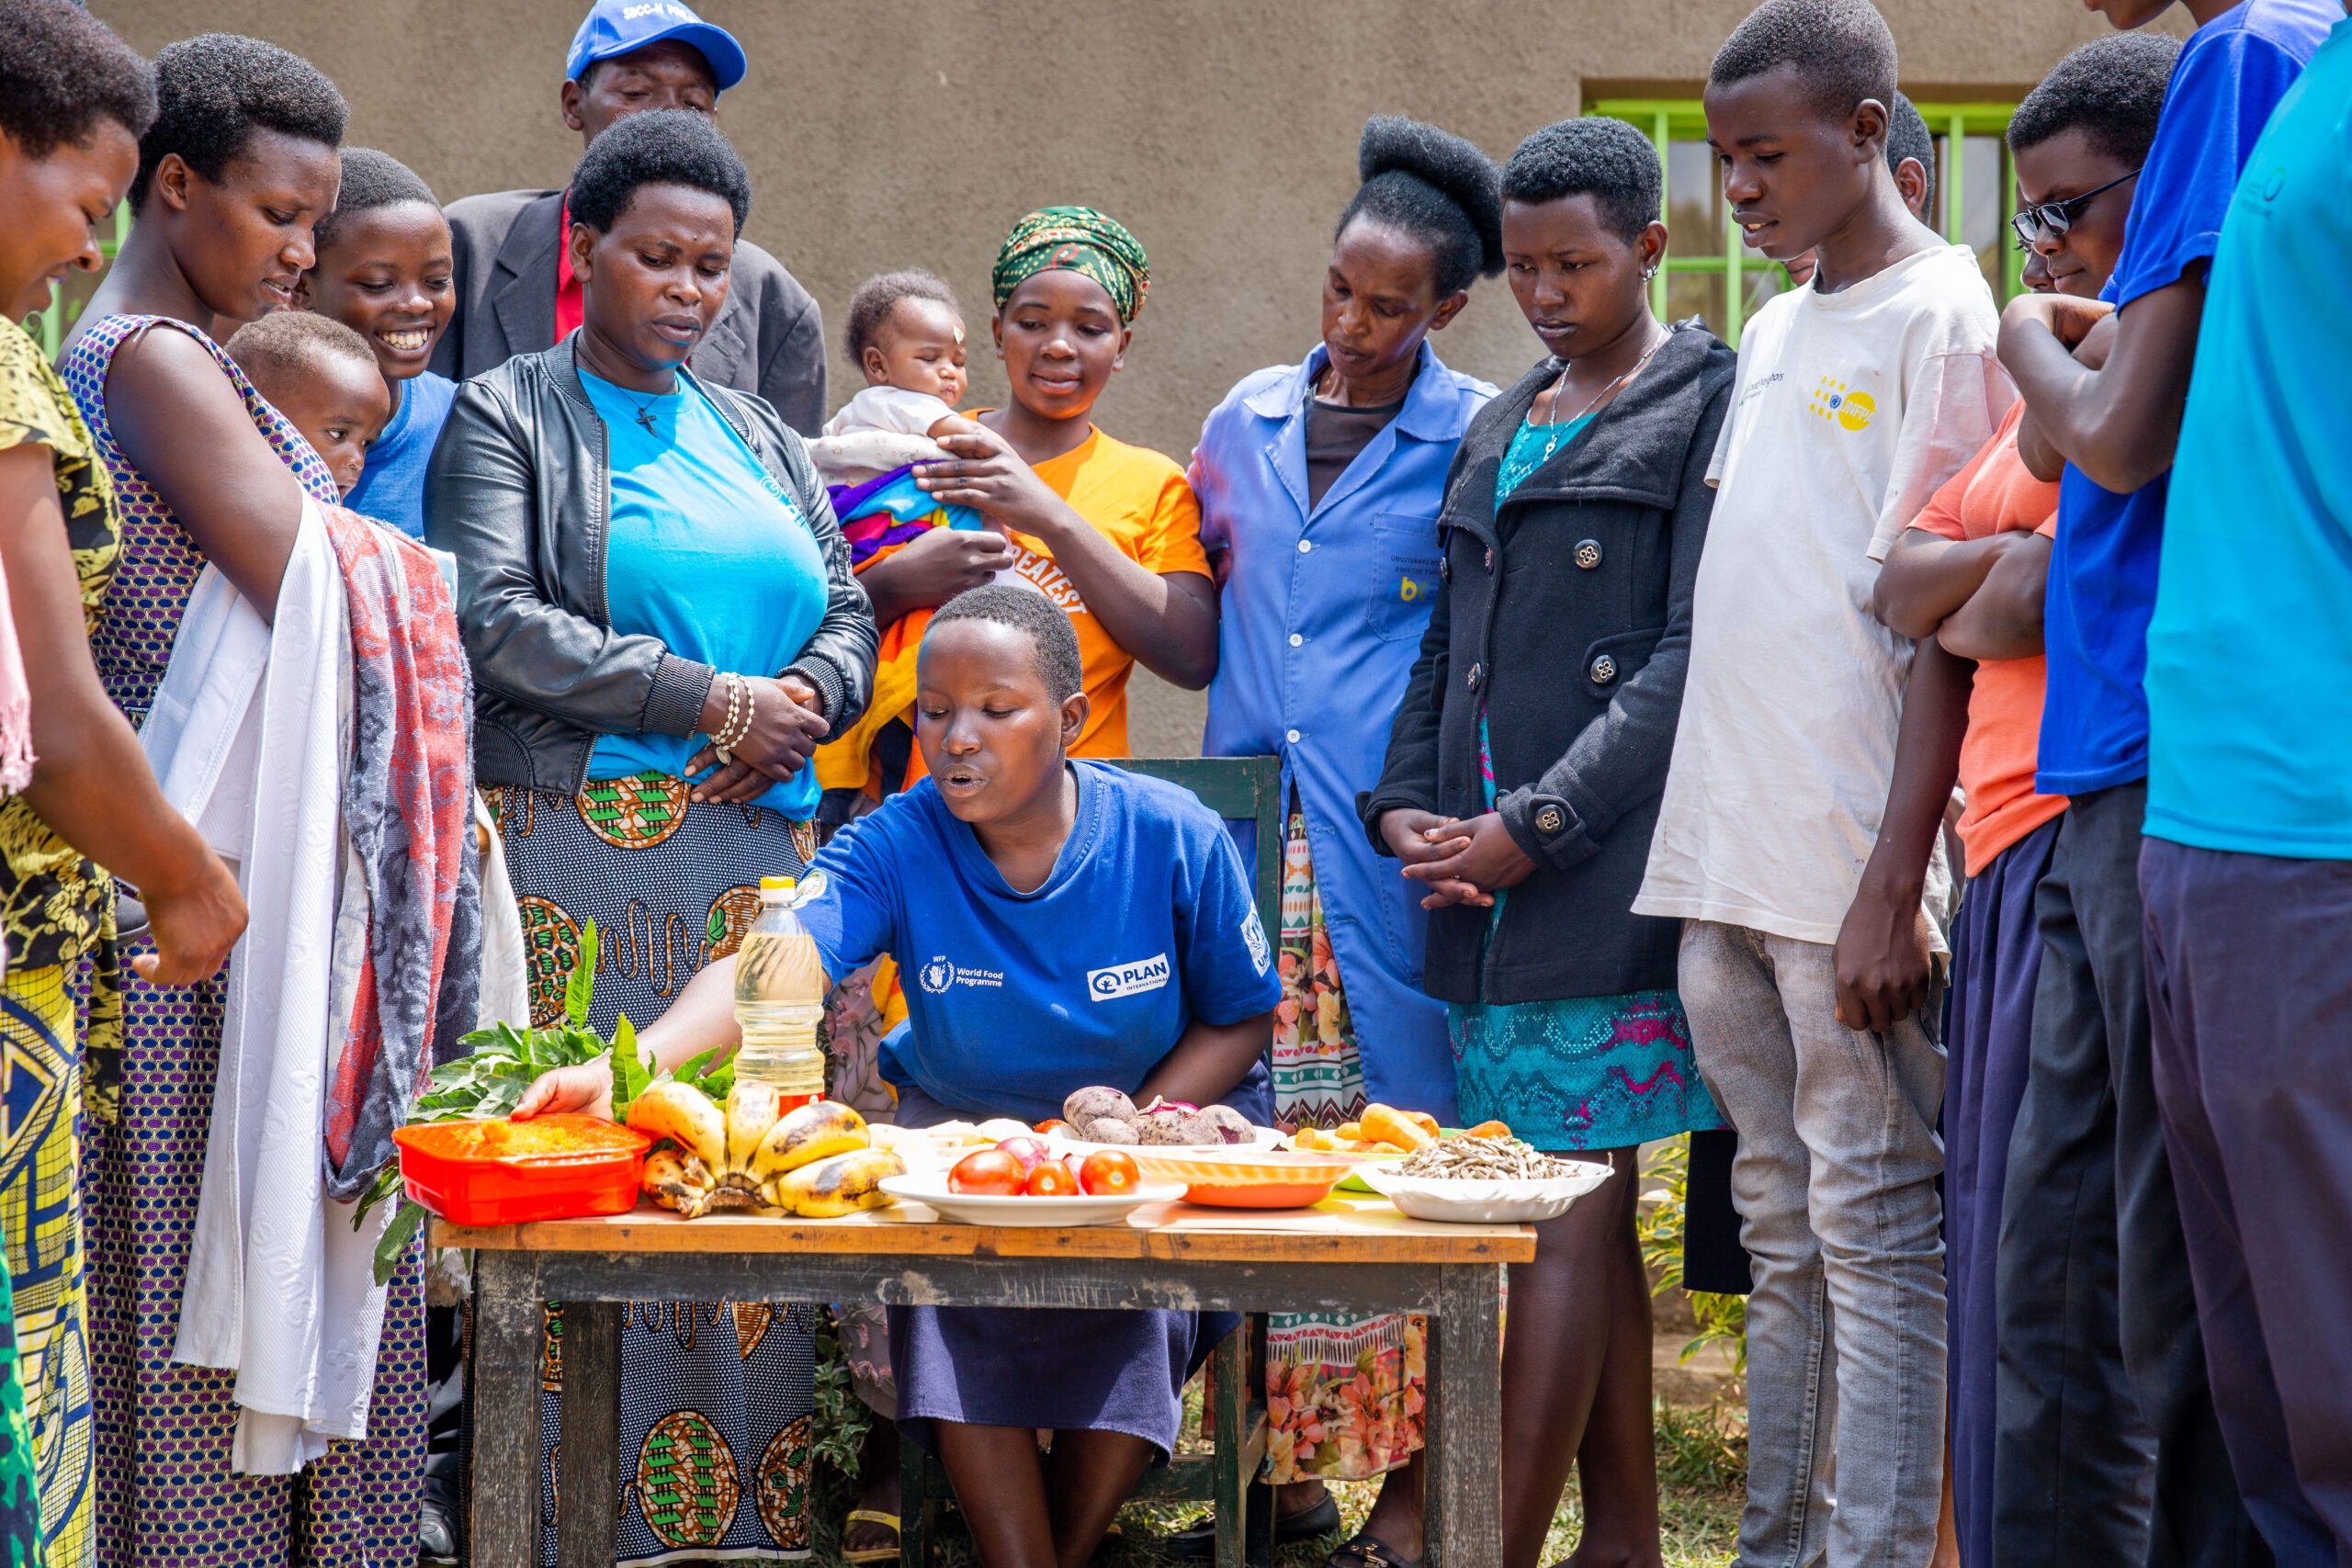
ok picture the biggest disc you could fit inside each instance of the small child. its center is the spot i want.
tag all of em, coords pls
(321, 376)
(906, 335)
(384, 269)
(1784, 819)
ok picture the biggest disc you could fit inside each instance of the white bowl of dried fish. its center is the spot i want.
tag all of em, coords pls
(1489, 1182)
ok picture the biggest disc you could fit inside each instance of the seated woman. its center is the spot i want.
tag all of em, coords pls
(1014, 873)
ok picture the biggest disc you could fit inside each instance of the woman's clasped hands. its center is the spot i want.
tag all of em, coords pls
(782, 719)
(1464, 860)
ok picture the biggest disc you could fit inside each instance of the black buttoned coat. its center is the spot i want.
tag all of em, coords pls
(1565, 617)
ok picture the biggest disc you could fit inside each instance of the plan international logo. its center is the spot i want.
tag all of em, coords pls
(1127, 979)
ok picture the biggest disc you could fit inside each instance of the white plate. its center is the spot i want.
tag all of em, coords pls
(1486, 1201)
(930, 1188)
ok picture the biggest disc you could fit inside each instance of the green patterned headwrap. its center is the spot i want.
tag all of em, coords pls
(1079, 240)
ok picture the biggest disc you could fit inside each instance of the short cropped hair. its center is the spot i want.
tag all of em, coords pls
(1841, 51)
(1435, 186)
(62, 70)
(1024, 610)
(661, 147)
(1907, 136)
(287, 344)
(214, 91)
(878, 297)
(2111, 90)
(370, 180)
(1606, 159)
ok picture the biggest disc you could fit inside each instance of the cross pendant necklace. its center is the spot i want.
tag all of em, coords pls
(645, 418)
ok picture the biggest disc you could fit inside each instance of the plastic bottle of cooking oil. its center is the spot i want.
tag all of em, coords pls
(779, 997)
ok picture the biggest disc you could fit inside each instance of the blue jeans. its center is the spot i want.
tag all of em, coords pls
(1835, 1186)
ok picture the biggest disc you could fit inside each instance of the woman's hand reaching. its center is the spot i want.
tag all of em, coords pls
(787, 722)
(984, 472)
(585, 1089)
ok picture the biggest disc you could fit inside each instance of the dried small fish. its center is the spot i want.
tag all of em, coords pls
(1482, 1159)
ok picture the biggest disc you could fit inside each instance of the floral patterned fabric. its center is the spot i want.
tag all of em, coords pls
(1343, 1394)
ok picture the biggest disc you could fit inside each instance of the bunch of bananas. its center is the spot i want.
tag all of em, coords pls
(817, 1161)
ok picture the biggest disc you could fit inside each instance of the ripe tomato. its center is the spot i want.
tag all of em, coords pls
(1052, 1178)
(1109, 1173)
(991, 1172)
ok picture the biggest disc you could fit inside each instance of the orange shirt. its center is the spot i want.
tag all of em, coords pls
(1994, 494)
(1139, 501)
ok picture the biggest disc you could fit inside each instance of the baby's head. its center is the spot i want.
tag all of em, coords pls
(321, 376)
(905, 331)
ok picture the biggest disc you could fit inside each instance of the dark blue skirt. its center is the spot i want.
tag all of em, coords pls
(1050, 1367)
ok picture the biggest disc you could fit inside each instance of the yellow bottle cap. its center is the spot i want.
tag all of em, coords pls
(776, 883)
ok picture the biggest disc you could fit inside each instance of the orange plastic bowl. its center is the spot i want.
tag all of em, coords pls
(1247, 1178)
(502, 1172)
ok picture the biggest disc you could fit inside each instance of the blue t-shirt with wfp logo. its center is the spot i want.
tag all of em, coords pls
(1015, 999)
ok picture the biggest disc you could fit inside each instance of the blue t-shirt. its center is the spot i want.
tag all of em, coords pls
(707, 553)
(2250, 653)
(1016, 999)
(2231, 74)
(391, 485)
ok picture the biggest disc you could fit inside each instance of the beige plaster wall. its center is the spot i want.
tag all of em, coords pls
(886, 133)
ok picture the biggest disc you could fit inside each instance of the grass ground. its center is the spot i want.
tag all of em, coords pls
(1702, 1457)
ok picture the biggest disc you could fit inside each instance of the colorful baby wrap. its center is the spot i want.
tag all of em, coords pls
(878, 517)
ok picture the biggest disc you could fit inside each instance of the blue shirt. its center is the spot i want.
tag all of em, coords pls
(1331, 598)
(708, 553)
(2250, 653)
(391, 485)
(2231, 74)
(1016, 999)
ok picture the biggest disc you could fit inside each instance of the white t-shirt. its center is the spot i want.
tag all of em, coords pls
(1852, 408)
(893, 410)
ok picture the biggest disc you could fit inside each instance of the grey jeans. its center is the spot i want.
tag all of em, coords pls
(1836, 1185)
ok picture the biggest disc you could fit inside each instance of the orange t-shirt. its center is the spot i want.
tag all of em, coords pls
(1994, 493)
(1138, 500)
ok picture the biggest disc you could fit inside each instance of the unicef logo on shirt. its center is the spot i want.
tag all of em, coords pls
(937, 974)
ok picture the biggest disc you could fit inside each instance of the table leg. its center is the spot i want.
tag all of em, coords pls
(587, 1516)
(1464, 1421)
(503, 1486)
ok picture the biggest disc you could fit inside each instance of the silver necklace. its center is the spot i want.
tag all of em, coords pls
(1559, 427)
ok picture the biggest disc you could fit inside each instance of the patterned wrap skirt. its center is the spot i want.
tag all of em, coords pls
(164, 1492)
(1581, 1072)
(1344, 1395)
(717, 1398)
(46, 1422)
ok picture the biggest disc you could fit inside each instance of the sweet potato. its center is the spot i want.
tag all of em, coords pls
(1394, 1128)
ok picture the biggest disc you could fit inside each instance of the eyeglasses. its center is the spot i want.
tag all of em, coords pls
(2051, 220)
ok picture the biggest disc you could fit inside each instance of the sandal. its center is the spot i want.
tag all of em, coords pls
(1364, 1550)
(872, 1553)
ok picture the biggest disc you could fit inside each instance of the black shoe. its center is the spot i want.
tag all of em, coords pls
(1199, 1539)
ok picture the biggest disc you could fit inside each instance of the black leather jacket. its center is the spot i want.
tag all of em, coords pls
(519, 491)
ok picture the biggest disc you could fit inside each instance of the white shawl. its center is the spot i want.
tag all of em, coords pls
(250, 735)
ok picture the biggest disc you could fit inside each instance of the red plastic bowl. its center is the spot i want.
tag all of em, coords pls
(509, 1173)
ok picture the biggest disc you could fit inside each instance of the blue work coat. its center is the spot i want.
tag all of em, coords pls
(1323, 615)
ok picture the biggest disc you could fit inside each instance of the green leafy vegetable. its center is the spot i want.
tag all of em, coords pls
(501, 1063)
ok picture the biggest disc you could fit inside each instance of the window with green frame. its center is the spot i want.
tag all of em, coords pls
(1711, 272)
(49, 324)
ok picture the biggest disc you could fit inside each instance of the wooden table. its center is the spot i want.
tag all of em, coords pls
(1345, 1256)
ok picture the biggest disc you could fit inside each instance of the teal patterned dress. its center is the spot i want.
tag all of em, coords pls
(1578, 1072)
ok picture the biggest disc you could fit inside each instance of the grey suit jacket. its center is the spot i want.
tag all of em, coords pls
(769, 338)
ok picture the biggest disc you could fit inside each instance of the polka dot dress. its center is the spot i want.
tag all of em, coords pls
(165, 1493)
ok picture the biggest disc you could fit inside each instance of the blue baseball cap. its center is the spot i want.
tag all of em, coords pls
(615, 27)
